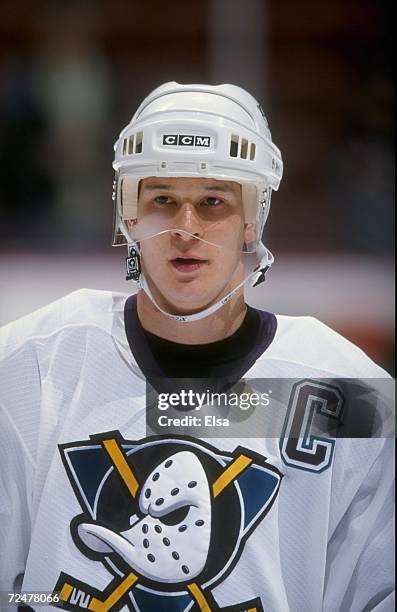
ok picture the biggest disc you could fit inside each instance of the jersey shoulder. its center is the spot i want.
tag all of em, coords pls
(306, 341)
(88, 307)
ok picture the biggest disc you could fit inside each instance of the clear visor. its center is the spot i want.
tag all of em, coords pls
(236, 237)
(223, 219)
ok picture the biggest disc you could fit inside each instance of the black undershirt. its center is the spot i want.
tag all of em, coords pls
(229, 358)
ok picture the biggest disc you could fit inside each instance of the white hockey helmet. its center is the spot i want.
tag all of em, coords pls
(197, 131)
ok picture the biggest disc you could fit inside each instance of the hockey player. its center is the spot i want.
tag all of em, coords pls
(97, 512)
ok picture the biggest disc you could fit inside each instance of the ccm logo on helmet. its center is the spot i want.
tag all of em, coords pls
(186, 140)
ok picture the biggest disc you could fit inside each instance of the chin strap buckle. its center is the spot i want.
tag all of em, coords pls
(133, 265)
(261, 276)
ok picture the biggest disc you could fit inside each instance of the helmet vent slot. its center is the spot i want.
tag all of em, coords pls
(138, 142)
(241, 147)
(234, 142)
(244, 148)
(133, 144)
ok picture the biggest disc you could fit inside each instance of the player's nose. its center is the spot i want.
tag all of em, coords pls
(188, 223)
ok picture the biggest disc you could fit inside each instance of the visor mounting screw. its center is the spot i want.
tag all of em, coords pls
(203, 166)
(163, 164)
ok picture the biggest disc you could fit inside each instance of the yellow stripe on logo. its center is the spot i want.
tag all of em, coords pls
(66, 591)
(120, 463)
(199, 597)
(103, 606)
(230, 473)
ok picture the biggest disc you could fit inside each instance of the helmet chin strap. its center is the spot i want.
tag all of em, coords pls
(257, 276)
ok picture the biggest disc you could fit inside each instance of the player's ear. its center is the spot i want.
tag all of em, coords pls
(249, 232)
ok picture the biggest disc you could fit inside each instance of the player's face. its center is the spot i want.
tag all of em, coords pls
(189, 271)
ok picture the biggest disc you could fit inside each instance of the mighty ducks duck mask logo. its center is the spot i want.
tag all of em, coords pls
(154, 514)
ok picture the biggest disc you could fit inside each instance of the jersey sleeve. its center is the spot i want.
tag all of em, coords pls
(19, 421)
(16, 478)
(29, 414)
(360, 555)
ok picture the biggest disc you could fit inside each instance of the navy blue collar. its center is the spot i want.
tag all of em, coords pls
(229, 358)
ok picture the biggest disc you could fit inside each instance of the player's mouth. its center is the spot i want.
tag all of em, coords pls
(188, 264)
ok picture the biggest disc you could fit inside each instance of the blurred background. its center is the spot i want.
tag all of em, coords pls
(71, 75)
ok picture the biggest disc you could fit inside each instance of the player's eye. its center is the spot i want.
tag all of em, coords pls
(162, 200)
(212, 202)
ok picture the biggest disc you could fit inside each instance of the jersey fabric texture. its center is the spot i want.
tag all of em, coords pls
(91, 507)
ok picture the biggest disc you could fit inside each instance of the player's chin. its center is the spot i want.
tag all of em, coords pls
(190, 297)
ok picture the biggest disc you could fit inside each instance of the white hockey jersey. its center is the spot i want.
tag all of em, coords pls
(112, 519)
